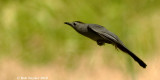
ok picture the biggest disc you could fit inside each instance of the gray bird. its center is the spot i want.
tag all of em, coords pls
(101, 35)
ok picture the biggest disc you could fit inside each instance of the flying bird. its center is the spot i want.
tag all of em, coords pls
(101, 35)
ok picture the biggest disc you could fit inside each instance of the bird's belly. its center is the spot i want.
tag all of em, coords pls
(93, 36)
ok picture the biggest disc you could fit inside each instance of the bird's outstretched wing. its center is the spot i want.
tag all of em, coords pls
(109, 36)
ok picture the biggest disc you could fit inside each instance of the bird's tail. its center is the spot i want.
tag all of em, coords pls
(124, 49)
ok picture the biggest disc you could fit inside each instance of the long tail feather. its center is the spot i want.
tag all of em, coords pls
(124, 49)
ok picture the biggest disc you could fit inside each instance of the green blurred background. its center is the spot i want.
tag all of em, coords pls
(33, 33)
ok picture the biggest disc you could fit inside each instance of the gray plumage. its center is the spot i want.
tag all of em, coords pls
(101, 35)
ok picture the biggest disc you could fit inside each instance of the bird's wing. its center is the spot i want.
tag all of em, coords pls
(103, 32)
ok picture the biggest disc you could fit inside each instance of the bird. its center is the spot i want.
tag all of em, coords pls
(101, 35)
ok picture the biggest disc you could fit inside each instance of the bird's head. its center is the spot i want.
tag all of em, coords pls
(74, 24)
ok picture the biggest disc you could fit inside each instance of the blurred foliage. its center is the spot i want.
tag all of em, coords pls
(33, 31)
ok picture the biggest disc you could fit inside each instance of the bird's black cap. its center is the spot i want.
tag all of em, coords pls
(79, 22)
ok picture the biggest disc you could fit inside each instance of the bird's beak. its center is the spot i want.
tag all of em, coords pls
(68, 23)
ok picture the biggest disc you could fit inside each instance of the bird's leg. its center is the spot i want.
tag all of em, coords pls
(116, 47)
(100, 42)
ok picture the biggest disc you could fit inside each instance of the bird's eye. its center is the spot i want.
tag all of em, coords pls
(74, 24)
